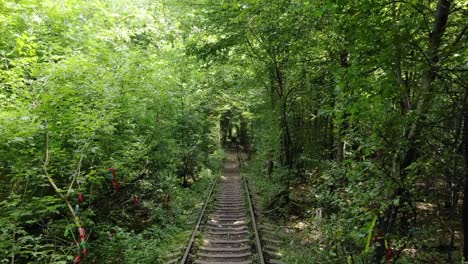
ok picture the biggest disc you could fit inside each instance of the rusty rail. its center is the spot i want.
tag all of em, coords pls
(197, 226)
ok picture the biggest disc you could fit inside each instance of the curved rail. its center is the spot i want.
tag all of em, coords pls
(197, 226)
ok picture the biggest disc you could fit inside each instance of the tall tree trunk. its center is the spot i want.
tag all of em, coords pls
(286, 137)
(428, 77)
(465, 186)
(340, 144)
(286, 142)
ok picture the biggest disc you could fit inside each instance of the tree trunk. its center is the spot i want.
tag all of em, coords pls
(286, 142)
(465, 186)
(286, 138)
(411, 154)
(340, 144)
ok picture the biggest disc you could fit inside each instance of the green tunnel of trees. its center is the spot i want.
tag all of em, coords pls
(354, 116)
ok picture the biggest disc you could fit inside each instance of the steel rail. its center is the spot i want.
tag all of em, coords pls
(202, 213)
(252, 214)
(197, 227)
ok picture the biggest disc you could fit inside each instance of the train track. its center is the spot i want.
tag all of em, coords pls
(227, 229)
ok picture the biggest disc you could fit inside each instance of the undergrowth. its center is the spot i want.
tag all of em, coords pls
(325, 222)
(171, 224)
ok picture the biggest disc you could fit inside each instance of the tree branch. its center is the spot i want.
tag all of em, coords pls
(52, 182)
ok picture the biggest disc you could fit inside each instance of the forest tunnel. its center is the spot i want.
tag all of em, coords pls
(114, 115)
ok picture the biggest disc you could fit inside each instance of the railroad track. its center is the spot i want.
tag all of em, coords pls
(227, 229)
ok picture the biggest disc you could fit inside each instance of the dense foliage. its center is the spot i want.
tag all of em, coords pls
(362, 113)
(87, 86)
(354, 114)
